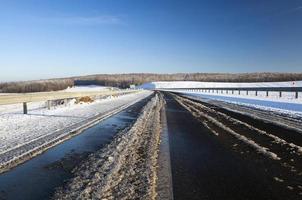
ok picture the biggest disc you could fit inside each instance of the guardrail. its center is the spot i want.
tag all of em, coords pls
(230, 90)
(24, 98)
(15, 98)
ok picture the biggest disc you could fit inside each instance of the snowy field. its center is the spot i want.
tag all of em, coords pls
(17, 129)
(286, 103)
(87, 88)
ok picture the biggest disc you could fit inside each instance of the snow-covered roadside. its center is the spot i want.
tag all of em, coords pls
(18, 108)
(287, 100)
(287, 97)
(126, 168)
(18, 130)
(197, 84)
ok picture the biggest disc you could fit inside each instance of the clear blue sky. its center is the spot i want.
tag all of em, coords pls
(59, 38)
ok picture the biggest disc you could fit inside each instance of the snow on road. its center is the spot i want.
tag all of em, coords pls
(197, 113)
(17, 129)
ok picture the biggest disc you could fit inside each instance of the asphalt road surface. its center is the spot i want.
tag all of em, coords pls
(208, 162)
(216, 151)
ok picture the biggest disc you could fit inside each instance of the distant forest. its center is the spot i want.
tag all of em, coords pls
(125, 80)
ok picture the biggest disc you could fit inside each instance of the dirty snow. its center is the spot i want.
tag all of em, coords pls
(276, 139)
(126, 168)
(263, 150)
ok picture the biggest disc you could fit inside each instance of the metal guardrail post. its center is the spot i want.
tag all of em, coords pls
(267, 93)
(256, 93)
(297, 95)
(280, 94)
(239, 92)
(24, 108)
(247, 92)
(48, 103)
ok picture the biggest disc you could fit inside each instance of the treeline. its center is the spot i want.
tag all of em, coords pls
(36, 86)
(125, 80)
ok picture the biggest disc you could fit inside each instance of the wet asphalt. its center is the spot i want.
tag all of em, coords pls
(205, 168)
(202, 166)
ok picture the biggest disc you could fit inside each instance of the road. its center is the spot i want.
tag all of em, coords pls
(208, 162)
(212, 150)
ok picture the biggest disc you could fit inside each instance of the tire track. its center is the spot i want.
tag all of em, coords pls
(284, 154)
(290, 153)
